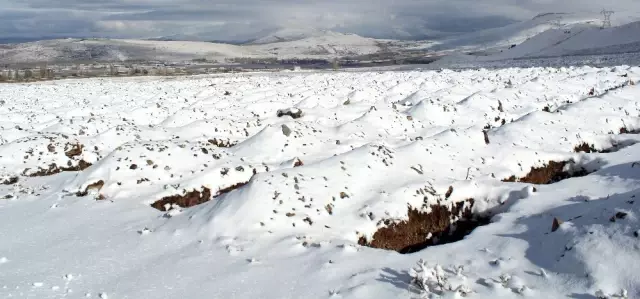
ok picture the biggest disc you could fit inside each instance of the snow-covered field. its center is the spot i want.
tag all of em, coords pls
(286, 174)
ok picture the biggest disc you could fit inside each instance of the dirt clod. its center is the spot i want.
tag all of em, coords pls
(97, 186)
(9, 181)
(73, 150)
(556, 224)
(221, 143)
(294, 113)
(449, 192)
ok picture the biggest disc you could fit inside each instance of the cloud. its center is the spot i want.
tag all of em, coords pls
(245, 19)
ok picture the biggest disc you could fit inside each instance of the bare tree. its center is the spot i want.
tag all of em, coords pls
(43, 71)
(28, 74)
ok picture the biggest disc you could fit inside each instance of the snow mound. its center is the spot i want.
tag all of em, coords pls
(219, 180)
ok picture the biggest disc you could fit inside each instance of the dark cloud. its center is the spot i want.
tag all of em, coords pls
(245, 19)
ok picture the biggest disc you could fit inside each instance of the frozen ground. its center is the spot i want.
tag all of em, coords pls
(366, 148)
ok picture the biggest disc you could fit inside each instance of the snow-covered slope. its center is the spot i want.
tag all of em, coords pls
(325, 45)
(573, 41)
(266, 185)
(65, 50)
(580, 41)
(331, 44)
(291, 34)
(503, 37)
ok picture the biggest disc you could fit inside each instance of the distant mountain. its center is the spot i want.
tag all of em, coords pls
(291, 34)
(292, 43)
(73, 50)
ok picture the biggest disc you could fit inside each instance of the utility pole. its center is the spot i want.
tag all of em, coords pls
(606, 21)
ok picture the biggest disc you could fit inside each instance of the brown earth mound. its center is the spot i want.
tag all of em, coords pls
(189, 199)
(194, 197)
(422, 229)
(548, 174)
(221, 143)
(55, 169)
(9, 180)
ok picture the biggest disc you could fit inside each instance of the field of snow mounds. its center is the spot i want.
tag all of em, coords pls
(499, 184)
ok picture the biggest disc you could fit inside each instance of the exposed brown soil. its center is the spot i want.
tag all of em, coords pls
(230, 188)
(555, 225)
(221, 143)
(584, 148)
(9, 181)
(449, 192)
(624, 130)
(73, 150)
(422, 229)
(547, 174)
(97, 186)
(55, 169)
(194, 197)
(189, 199)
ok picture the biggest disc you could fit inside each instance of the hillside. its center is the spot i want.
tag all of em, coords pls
(325, 45)
(503, 37)
(579, 40)
(69, 50)
(290, 34)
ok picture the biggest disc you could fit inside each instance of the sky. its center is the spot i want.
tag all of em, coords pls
(239, 20)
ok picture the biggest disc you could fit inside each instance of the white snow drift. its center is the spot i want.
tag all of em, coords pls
(360, 148)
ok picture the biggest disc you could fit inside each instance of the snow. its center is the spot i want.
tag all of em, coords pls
(366, 146)
(516, 33)
(331, 44)
(568, 42)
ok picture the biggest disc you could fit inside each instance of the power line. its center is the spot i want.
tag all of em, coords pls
(606, 21)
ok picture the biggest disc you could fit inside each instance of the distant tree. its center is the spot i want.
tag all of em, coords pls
(28, 74)
(335, 65)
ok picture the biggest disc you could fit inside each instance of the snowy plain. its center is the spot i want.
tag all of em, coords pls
(367, 147)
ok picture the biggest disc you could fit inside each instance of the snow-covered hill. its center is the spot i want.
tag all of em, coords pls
(504, 37)
(65, 50)
(304, 185)
(291, 34)
(577, 40)
(325, 45)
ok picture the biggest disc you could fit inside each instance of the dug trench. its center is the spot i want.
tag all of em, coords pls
(424, 229)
